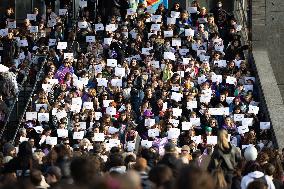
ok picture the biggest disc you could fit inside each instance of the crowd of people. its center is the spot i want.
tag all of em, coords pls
(143, 98)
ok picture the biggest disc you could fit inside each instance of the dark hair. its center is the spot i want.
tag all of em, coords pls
(257, 185)
(269, 169)
(192, 177)
(160, 174)
(84, 170)
(35, 177)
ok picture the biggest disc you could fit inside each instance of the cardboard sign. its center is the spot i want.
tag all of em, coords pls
(30, 116)
(62, 132)
(90, 39)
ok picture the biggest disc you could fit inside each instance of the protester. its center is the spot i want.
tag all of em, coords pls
(133, 98)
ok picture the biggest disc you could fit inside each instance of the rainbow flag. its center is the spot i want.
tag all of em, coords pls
(155, 3)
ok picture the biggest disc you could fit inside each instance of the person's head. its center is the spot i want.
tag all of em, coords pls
(160, 174)
(192, 177)
(84, 170)
(269, 169)
(257, 185)
(223, 143)
(36, 177)
(141, 164)
(53, 175)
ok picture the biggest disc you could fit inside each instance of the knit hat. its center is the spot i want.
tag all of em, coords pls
(170, 147)
(208, 129)
(148, 113)
(250, 153)
(7, 148)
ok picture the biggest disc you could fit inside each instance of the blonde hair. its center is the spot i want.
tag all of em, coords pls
(223, 142)
(219, 179)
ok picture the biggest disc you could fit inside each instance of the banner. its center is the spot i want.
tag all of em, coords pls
(155, 3)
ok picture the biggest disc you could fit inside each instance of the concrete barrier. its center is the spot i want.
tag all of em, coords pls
(272, 97)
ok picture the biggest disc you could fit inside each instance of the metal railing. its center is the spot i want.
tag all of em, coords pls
(38, 78)
(21, 88)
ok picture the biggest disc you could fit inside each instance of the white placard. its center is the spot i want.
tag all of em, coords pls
(111, 111)
(99, 137)
(112, 130)
(247, 121)
(149, 122)
(264, 125)
(77, 100)
(33, 29)
(153, 133)
(155, 64)
(212, 140)
(130, 146)
(217, 78)
(38, 106)
(221, 63)
(116, 82)
(83, 125)
(197, 139)
(175, 122)
(155, 27)
(191, 104)
(82, 25)
(171, 21)
(102, 82)
(192, 10)
(176, 42)
(98, 115)
(189, 32)
(99, 27)
(46, 87)
(253, 109)
(90, 39)
(106, 103)
(83, 4)
(229, 100)
(31, 16)
(131, 11)
(31, 116)
(185, 126)
(62, 133)
(51, 140)
(78, 135)
(169, 55)
(202, 20)
(173, 133)
(243, 129)
(112, 62)
(156, 18)
(111, 27)
(24, 43)
(175, 14)
(43, 117)
(183, 52)
(176, 96)
(195, 121)
(146, 143)
(231, 80)
(62, 12)
(88, 105)
(119, 71)
(4, 32)
(12, 25)
(61, 45)
(68, 56)
(177, 112)
(51, 42)
(239, 117)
